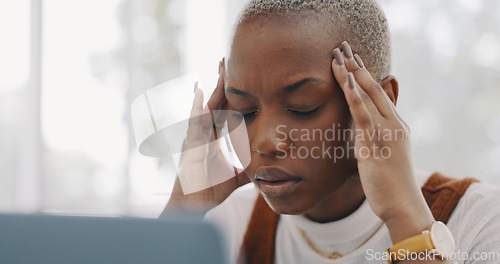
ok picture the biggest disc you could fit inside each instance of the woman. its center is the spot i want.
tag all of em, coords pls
(296, 71)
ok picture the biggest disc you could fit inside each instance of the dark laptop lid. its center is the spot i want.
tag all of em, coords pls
(29, 239)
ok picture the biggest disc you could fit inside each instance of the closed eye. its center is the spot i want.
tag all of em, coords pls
(244, 116)
(252, 114)
(299, 113)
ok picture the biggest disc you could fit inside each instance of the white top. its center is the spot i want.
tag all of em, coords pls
(475, 224)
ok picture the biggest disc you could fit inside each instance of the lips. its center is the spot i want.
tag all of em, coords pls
(275, 182)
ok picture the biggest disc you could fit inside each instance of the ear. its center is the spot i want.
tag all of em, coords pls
(391, 88)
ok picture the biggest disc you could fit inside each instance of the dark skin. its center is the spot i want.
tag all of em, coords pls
(269, 54)
(328, 190)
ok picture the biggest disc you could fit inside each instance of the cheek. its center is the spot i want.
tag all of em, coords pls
(329, 149)
(238, 135)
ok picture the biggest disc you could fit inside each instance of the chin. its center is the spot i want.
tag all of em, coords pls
(287, 206)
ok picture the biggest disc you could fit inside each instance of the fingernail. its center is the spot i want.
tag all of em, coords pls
(347, 49)
(359, 60)
(338, 56)
(220, 66)
(350, 80)
(195, 86)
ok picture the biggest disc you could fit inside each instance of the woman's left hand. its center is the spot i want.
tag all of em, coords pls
(382, 148)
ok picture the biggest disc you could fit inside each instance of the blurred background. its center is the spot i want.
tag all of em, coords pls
(69, 71)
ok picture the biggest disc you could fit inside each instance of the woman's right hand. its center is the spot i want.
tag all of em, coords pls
(202, 158)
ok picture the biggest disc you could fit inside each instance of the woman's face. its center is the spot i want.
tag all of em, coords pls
(279, 77)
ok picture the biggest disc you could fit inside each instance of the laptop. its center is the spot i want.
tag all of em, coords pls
(43, 239)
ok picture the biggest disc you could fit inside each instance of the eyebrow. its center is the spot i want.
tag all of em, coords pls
(287, 89)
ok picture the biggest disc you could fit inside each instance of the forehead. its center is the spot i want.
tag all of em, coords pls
(267, 47)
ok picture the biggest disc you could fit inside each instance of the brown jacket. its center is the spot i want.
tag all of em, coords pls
(441, 193)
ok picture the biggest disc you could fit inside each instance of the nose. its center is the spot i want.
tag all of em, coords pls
(270, 136)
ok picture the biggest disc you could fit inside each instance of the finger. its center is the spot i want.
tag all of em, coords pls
(218, 97)
(220, 117)
(359, 112)
(200, 125)
(379, 97)
(340, 72)
(208, 125)
(194, 123)
(217, 101)
(350, 63)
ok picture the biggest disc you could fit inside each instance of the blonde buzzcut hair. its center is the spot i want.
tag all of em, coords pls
(364, 25)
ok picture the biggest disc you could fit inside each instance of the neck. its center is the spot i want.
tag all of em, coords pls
(343, 202)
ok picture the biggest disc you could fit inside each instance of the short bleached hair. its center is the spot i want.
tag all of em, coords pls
(361, 22)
